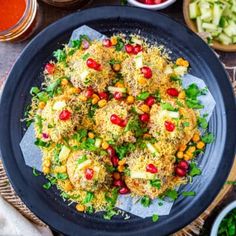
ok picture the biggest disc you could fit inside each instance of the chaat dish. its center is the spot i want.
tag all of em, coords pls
(112, 118)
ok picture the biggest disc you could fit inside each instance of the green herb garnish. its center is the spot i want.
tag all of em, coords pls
(167, 106)
(120, 44)
(35, 173)
(82, 159)
(172, 194)
(47, 186)
(155, 183)
(143, 96)
(228, 225)
(60, 55)
(202, 122)
(155, 218)
(194, 170)
(62, 176)
(89, 197)
(189, 194)
(85, 56)
(208, 138)
(146, 201)
(41, 143)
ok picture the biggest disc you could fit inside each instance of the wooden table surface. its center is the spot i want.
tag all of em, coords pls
(10, 51)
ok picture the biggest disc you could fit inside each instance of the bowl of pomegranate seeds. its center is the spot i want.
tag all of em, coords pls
(152, 4)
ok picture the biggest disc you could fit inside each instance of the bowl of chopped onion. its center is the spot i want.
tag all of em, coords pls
(151, 4)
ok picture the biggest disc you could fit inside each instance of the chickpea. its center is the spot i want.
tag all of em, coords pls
(80, 207)
(42, 105)
(130, 99)
(102, 103)
(91, 135)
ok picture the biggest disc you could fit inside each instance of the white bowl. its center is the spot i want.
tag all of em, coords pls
(151, 7)
(221, 216)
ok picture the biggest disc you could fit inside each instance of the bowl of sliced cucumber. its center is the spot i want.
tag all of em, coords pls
(214, 21)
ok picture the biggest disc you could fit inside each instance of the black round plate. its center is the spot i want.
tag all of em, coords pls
(215, 163)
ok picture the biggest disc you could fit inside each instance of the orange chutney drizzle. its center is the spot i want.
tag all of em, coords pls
(11, 12)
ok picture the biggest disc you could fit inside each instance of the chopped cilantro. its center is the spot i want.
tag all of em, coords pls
(172, 194)
(208, 138)
(167, 106)
(186, 124)
(85, 56)
(62, 176)
(60, 55)
(143, 95)
(80, 134)
(42, 96)
(231, 182)
(176, 79)
(47, 186)
(189, 194)
(120, 44)
(89, 197)
(82, 159)
(192, 92)
(41, 143)
(155, 218)
(202, 122)
(52, 88)
(146, 201)
(124, 149)
(113, 61)
(109, 214)
(35, 173)
(88, 144)
(155, 183)
(34, 90)
(89, 209)
(194, 170)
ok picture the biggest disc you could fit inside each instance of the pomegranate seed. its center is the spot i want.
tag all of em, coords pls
(150, 2)
(103, 95)
(89, 92)
(50, 68)
(111, 151)
(65, 115)
(85, 44)
(183, 164)
(151, 168)
(115, 119)
(169, 126)
(180, 172)
(114, 161)
(118, 95)
(123, 123)
(129, 48)
(45, 135)
(107, 43)
(147, 72)
(89, 173)
(93, 64)
(124, 190)
(150, 101)
(137, 49)
(172, 92)
(144, 118)
(118, 183)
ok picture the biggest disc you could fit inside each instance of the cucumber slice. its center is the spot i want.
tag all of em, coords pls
(234, 39)
(199, 25)
(208, 26)
(223, 22)
(64, 153)
(112, 89)
(223, 38)
(98, 142)
(217, 32)
(230, 30)
(194, 10)
(217, 13)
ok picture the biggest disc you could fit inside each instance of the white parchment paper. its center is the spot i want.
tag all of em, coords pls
(33, 157)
